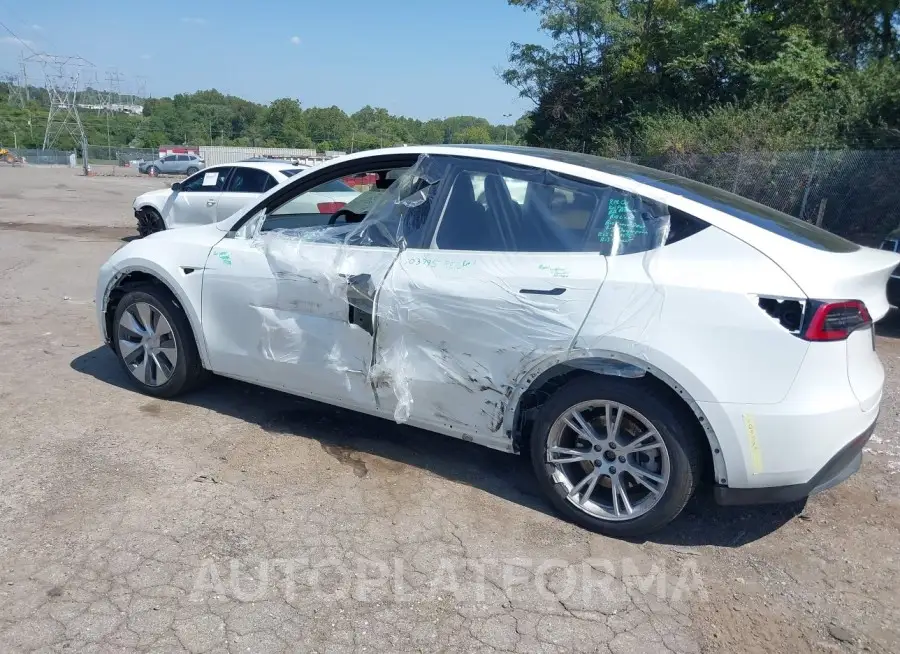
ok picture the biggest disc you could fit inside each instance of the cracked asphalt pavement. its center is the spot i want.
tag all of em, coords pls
(238, 519)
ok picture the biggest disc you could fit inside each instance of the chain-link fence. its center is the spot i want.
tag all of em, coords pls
(117, 155)
(849, 192)
(44, 157)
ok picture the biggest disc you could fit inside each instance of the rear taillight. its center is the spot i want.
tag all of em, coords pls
(834, 321)
(330, 207)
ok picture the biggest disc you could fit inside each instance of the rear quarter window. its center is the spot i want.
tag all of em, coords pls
(767, 218)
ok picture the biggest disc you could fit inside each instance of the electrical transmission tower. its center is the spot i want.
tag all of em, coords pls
(12, 88)
(141, 90)
(113, 93)
(17, 86)
(110, 101)
(62, 76)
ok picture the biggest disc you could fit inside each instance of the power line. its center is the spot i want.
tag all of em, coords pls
(17, 38)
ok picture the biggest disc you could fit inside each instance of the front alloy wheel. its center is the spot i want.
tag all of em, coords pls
(153, 340)
(147, 344)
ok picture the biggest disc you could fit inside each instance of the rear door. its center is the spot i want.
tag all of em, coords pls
(244, 185)
(182, 161)
(195, 203)
(506, 283)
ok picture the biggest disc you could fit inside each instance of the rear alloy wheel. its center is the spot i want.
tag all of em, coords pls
(152, 338)
(149, 222)
(191, 170)
(614, 457)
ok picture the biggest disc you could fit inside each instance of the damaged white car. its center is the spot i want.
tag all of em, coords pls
(636, 332)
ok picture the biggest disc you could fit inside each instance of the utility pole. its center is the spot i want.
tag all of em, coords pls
(506, 133)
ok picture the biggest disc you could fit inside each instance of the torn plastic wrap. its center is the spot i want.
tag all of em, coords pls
(457, 319)
(327, 278)
(475, 321)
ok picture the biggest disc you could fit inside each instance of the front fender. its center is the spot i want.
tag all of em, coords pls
(188, 295)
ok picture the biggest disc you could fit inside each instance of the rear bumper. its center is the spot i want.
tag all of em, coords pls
(840, 467)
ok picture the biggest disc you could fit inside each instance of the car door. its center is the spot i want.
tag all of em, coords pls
(182, 161)
(294, 309)
(244, 185)
(168, 164)
(506, 284)
(196, 201)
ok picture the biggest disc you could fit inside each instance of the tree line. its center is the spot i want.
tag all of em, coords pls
(210, 117)
(619, 77)
(650, 77)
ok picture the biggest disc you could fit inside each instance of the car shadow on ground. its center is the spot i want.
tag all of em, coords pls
(341, 432)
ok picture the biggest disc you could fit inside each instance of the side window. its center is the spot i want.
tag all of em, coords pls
(182, 157)
(210, 180)
(170, 158)
(249, 180)
(515, 209)
(313, 208)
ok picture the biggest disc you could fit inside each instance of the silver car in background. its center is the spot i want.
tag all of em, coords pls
(177, 164)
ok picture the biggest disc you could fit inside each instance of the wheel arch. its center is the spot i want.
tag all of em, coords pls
(541, 381)
(136, 274)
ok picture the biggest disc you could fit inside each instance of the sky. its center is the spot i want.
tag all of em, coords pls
(418, 58)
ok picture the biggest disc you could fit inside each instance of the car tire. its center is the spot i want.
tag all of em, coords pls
(172, 378)
(153, 171)
(192, 170)
(149, 222)
(672, 453)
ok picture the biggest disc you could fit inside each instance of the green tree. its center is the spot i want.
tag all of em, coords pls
(473, 134)
(618, 69)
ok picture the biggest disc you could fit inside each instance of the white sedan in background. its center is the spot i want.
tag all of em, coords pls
(215, 193)
(635, 331)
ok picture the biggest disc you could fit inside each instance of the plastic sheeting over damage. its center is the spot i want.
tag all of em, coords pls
(463, 280)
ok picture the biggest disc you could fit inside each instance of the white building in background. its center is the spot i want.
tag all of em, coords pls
(136, 109)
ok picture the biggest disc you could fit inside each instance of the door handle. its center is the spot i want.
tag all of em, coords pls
(210, 203)
(540, 291)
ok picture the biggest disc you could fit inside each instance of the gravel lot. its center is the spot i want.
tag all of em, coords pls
(238, 519)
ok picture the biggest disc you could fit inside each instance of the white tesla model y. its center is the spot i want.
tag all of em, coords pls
(632, 330)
